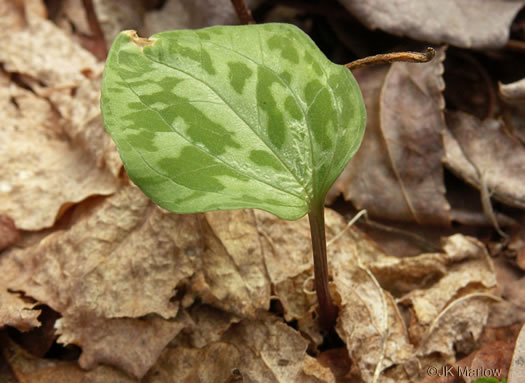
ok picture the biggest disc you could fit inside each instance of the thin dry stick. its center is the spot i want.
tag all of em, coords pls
(413, 57)
(515, 45)
(242, 11)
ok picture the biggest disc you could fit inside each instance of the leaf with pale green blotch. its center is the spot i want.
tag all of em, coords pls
(231, 117)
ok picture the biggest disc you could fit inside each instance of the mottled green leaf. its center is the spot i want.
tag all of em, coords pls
(231, 117)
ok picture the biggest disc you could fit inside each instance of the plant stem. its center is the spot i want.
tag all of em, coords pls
(243, 12)
(413, 57)
(327, 309)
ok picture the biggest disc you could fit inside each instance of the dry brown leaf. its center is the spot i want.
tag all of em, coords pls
(513, 92)
(11, 17)
(458, 298)
(9, 234)
(517, 368)
(234, 265)
(498, 157)
(371, 324)
(27, 368)
(41, 172)
(57, 68)
(211, 363)
(271, 351)
(208, 324)
(81, 110)
(44, 53)
(397, 173)
(122, 257)
(17, 312)
(369, 321)
(262, 350)
(133, 345)
(457, 22)
(511, 287)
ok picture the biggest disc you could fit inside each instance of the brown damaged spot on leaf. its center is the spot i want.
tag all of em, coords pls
(139, 41)
(473, 148)
(457, 22)
(397, 173)
(41, 172)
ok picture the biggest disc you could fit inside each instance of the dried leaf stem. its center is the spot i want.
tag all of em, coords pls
(413, 57)
(327, 309)
(242, 11)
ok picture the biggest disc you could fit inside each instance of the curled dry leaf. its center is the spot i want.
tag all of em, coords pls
(474, 148)
(513, 92)
(457, 22)
(397, 173)
(41, 173)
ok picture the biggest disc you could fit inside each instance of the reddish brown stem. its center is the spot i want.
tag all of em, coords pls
(327, 309)
(242, 11)
(100, 49)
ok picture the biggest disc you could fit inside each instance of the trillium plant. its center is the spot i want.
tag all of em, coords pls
(234, 117)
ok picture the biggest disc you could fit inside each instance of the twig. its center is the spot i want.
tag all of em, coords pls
(242, 11)
(515, 45)
(94, 25)
(413, 57)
